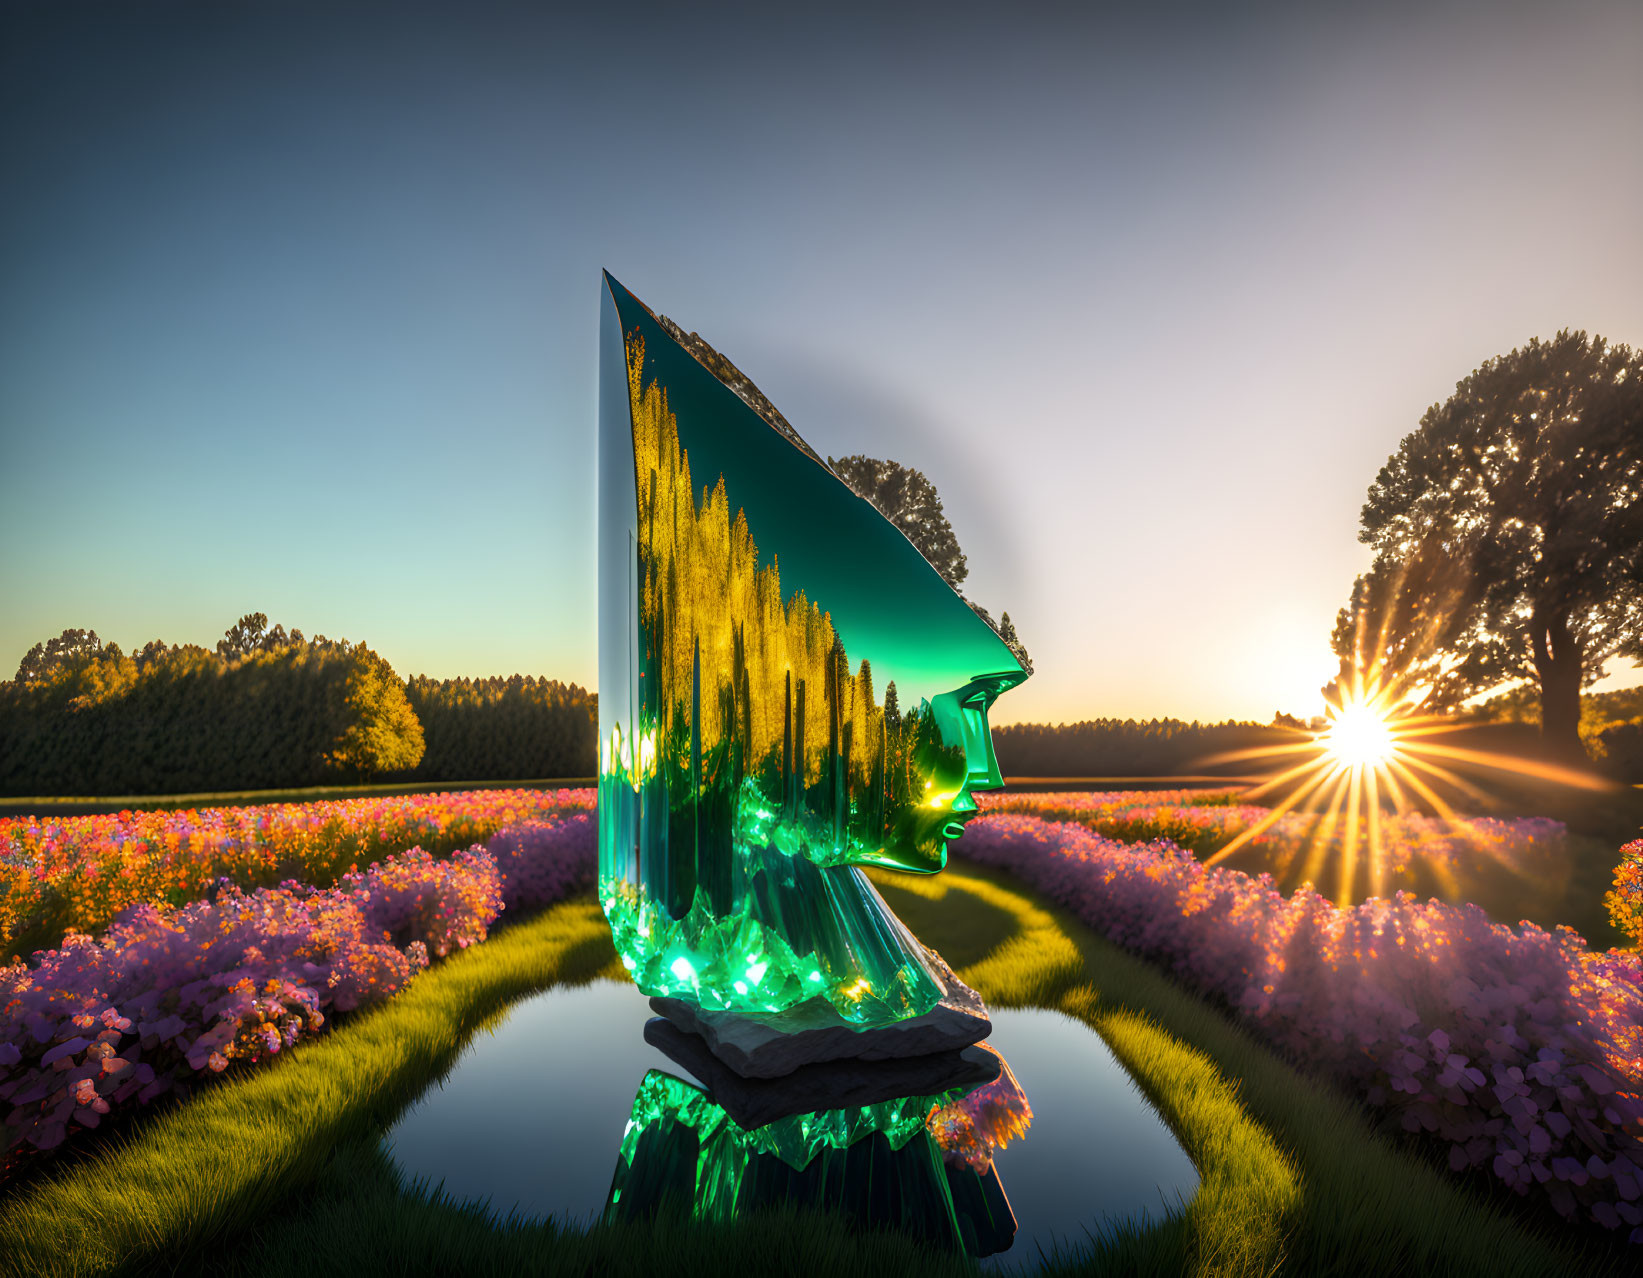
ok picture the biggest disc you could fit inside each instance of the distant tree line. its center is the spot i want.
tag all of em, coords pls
(270, 710)
(498, 729)
(1611, 725)
(86, 718)
(1127, 747)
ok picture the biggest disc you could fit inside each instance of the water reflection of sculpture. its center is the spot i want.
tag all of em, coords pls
(921, 1163)
(756, 767)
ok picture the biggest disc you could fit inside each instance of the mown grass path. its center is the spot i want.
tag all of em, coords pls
(279, 1172)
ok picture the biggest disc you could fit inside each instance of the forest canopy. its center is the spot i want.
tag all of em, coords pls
(270, 709)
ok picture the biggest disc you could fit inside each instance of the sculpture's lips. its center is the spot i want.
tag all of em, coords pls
(964, 811)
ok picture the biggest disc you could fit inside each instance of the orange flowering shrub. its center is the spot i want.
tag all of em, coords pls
(1625, 902)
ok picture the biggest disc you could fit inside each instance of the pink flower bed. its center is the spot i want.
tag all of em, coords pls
(171, 994)
(1516, 1047)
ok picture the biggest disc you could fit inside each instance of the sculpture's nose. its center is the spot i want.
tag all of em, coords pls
(981, 764)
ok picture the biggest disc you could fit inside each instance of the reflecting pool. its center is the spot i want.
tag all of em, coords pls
(532, 1116)
(1097, 1150)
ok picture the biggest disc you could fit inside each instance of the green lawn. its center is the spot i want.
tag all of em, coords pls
(278, 1173)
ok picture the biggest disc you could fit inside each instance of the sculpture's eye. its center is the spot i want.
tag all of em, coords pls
(787, 689)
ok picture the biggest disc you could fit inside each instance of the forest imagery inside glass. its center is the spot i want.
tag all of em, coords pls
(788, 691)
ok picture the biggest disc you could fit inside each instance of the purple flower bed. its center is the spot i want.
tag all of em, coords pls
(545, 861)
(172, 994)
(1516, 1047)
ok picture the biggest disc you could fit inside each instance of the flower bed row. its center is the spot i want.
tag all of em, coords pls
(77, 873)
(172, 994)
(1085, 805)
(1518, 1048)
(1137, 817)
(1406, 839)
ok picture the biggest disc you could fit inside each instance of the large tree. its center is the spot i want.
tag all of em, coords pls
(182, 719)
(1508, 536)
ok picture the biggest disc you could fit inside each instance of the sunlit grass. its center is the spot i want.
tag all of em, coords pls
(1248, 1188)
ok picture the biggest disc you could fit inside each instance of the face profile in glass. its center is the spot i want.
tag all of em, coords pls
(788, 691)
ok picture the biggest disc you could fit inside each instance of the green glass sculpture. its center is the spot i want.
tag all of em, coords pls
(787, 691)
(876, 1165)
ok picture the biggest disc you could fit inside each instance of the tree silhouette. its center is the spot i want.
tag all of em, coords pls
(244, 636)
(251, 634)
(43, 658)
(1005, 629)
(1006, 632)
(1508, 536)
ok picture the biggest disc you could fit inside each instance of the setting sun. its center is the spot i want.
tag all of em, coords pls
(1359, 735)
(1375, 750)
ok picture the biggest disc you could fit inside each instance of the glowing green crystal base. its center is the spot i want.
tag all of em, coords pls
(751, 608)
(798, 931)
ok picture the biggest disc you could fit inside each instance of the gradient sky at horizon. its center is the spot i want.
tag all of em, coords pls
(298, 304)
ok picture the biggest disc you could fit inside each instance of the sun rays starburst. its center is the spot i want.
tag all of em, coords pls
(1360, 736)
(1373, 752)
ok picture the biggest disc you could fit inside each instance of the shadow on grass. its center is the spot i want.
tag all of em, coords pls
(361, 1217)
(962, 929)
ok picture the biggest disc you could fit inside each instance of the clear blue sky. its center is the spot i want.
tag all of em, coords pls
(298, 304)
